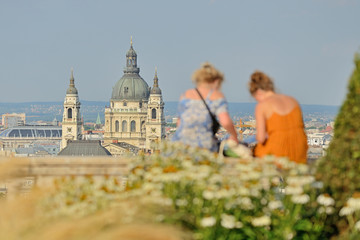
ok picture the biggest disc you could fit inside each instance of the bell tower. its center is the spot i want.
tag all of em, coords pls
(155, 127)
(71, 122)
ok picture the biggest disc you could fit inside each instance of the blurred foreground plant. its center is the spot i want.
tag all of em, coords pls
(339, 169)
(182, 190)
(270, 198)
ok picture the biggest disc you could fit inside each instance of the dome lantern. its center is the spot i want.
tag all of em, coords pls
(131, 86)
(72, 89)
(156, 89)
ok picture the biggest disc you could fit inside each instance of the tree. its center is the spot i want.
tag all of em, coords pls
(339, 170)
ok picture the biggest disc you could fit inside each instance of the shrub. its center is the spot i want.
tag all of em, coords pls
(246, 199)
(339, 169)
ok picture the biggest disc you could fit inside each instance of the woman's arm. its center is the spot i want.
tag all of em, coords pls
(226, 122)
(182, 96)
(260, 124)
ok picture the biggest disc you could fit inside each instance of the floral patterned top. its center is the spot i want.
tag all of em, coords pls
(195, 122)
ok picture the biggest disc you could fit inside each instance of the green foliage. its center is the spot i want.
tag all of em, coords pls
(80, 197)
(173, 125)
(2, 195)
(195, 191)
(88, 128)
(339, 170)
(244, 200)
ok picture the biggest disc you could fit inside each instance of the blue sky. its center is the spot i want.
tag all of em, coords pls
(306, 46)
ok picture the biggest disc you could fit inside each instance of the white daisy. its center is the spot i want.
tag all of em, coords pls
(300, 199)
(325, 200)
(261, 221)
(346, 210)
(228, 221)
(208, 222)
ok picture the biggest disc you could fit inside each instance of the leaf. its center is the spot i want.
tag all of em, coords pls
(356, 154)
(303, 225)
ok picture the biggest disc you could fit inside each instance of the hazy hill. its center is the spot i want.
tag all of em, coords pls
(47, 111)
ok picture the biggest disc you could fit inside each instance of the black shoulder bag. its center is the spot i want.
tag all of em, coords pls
(215, 124)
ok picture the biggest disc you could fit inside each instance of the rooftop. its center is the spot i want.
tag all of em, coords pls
(84, 148)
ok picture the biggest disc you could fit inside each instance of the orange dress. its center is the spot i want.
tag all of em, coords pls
(286, 137)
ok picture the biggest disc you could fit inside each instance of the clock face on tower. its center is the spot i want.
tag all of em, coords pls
(153, 130)
(69, 129)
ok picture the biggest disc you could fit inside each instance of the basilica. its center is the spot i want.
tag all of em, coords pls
(134, 120)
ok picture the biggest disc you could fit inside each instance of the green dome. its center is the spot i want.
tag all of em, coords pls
(130, 87)
(156, 90)
(71, 90)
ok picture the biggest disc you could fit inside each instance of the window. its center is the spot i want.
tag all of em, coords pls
(40, 133)
(69, 113)
(132, 127)
(14, 133)
(153, 113)
(126, 89)
(124, 126)
(116, 126)
(55, 133)
(125, 104)
(47, 133)
(143, 127)
(26, 133)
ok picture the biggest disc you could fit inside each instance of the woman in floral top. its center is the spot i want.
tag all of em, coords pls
(194, 126)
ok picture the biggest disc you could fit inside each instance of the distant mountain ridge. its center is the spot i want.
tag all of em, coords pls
(47, 111)
(248, 108)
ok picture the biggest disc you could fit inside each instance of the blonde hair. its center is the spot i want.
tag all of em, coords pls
(207, 73)
(260, 80)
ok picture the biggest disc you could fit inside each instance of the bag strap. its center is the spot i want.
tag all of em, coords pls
(211, 114)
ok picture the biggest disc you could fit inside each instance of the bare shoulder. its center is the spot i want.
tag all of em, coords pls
(283, 104)
(291, 100)
(217, 95)
(261, 107)
(266, 107)
(190, 93)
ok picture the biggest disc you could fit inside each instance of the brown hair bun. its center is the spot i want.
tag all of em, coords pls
(260, 80)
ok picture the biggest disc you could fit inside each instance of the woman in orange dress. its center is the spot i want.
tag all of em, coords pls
(279, 123)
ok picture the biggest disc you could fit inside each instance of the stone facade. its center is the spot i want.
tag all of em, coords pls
(136, 112)
(155, 125)
(71, 123)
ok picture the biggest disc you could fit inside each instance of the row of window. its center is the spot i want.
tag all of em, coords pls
(125, 110)
(34, 133)
(126, 89)
(153, 112)
(124, 126)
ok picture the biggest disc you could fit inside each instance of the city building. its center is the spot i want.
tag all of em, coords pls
(135, 118)
(71, 123)
(319, 138)
(174, 120)
(72, 143)
(84, 148)
(13, 119)
(98, 124)
(315, 139)
(20, 137)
